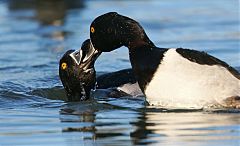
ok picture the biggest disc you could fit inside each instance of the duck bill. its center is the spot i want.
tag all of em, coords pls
(90, 57)
(76, 56)
(85, 59)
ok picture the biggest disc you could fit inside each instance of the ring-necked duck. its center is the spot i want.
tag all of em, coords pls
(78, 76)
(169, 77)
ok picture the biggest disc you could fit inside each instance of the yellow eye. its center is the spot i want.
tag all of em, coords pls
(92, 29)
(64, 66)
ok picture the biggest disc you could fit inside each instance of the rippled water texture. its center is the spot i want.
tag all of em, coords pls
(33, 110)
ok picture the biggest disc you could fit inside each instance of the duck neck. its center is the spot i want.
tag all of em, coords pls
(138, 44)
(132, 46)
(142, 56)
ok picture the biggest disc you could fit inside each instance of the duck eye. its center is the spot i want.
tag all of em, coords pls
(92, 29)
(64, 66)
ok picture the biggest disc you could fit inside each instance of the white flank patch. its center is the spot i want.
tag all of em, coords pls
(132, 89)
(180, 83)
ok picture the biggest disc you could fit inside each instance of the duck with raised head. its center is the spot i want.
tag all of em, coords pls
(78, 76)
(169, 77)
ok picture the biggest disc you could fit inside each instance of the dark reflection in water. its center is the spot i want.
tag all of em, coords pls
(148, 125)
(140, 135)
(48, 12)
(86, 113)
(42, 21)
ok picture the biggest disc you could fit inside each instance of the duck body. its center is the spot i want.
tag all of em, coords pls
(170, 78)
(178, 78)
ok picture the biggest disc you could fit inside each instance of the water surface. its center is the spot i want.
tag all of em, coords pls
(34, 34)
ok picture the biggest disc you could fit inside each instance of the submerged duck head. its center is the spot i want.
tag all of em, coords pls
(112, 30)
(77, 72)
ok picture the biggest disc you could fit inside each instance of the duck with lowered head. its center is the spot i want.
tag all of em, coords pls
(169, 77)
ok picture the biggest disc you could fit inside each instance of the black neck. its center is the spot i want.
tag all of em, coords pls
(145, 60)
(140, 44)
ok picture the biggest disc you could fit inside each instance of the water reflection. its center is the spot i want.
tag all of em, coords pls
(84, 112)
(140, 135)
(45, 19)
(47, 12)
(146, 126)
(194, 127)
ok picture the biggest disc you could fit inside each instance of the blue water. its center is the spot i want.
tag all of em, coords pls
(34, 34)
